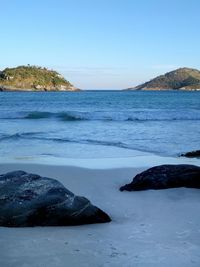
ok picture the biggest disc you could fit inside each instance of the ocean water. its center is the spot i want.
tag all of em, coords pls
(98, 124)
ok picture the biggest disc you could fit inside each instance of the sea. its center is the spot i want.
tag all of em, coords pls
(98, 124)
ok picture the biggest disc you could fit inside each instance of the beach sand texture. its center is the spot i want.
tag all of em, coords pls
(148, 228)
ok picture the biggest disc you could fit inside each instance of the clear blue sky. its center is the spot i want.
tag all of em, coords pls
(101, 43)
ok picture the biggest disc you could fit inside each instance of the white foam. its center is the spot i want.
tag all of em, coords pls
(140, 159)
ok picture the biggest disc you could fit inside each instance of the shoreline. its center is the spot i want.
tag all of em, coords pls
(138, 159)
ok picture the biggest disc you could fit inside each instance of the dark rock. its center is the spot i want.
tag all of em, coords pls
(31, 200)
(165, 176)
(192, 154)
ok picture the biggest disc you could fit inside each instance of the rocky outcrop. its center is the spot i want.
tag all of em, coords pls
(165, 176)
(192, 154)
(31, 200)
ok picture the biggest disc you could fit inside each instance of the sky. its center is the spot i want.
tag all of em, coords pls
(101, 44)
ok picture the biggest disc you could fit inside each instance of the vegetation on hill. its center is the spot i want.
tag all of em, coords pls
(180, 79)
(33, 78)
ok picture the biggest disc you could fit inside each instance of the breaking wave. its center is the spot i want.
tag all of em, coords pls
(143, 115)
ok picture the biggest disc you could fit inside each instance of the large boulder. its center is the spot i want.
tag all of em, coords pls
(31, 200)
(165, 176)
(192, 154)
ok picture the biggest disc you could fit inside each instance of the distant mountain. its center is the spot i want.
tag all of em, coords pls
(180, 79)
(33, 78)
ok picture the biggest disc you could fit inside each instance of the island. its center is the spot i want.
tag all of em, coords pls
(33, 78)
(179, 79)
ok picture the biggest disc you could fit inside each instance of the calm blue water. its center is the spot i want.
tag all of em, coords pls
(98, 124)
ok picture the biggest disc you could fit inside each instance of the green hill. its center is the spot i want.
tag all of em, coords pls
(180, 79)
(33, 78)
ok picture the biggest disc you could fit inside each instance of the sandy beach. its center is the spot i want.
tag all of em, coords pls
(148, 228)
(92, 95)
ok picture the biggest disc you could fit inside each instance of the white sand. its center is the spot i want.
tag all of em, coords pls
(149, 228)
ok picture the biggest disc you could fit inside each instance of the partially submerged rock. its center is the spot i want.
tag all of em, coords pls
(165, 176)
(192, 154)
(31, 200)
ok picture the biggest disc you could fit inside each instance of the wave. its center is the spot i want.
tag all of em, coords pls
(40, 136)
(137, 115)
(43, 138)
(25, 135)
(45, 115)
